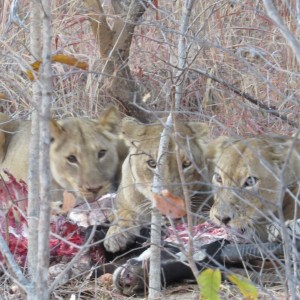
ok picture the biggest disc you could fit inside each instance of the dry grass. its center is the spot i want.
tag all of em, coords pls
(236, 43)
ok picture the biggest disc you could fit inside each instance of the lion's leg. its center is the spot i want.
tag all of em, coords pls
(122, 232)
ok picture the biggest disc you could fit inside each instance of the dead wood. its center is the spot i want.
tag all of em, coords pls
(273, 110)
(114, 46)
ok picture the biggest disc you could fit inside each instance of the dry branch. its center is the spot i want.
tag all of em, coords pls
(21, 280)
(182, 63)
(13, 18)
(155, 260)
(114, 45)
(266, 108)
(100, 27)
(289, 37)
(33, 181)
(156, 219)
(42, 291)
(59, 279)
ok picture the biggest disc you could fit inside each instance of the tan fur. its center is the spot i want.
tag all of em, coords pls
(89, 175)
(275, 162)
(135, 192)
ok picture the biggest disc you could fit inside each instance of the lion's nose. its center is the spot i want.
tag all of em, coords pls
(93, 189)
(225, 220)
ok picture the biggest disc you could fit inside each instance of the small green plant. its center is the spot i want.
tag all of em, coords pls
(245, 286)
(210, 282)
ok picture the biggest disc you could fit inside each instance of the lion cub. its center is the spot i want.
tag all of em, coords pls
(256, 179)
(133, 202)
(85, 156)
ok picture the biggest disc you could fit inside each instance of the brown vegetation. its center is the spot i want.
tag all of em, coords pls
(236, 44)
(242, 77)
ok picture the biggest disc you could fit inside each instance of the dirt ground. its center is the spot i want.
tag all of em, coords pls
(84, 289)
(181, 291)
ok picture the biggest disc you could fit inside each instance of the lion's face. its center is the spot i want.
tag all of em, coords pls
(83, 154)
(247, 182)
(182, 164)
(189, 144)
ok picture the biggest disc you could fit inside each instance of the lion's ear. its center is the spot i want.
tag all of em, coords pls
(56, 129)
(201, 130)
(281, 148)
(215, 148)
(279, 152)
(110, 120)
(131, 129)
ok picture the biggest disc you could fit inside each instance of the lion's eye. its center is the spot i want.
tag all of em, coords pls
(101, 153)
(186, 163)
(72, 159)
(250, 181)
(218, 177)
(151, 163)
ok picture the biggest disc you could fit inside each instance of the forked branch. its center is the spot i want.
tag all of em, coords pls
(114, 45)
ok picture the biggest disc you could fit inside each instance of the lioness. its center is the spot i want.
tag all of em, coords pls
(134, 195)
(84, 153)
(256, 179)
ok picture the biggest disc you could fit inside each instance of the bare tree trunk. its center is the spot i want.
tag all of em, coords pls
(287, 242)
(114, 46)
(33, 179)
(182, 51)
(42, 290)
(156, 218)
(180, 74)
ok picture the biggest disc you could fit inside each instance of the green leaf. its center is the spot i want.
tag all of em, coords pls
(245, 286)
(209, 281)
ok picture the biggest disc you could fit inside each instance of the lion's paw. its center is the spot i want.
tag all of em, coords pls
(117, 238)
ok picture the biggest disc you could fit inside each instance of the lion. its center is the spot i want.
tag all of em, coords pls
(134, 196)
(85, 155)
(256, 182)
